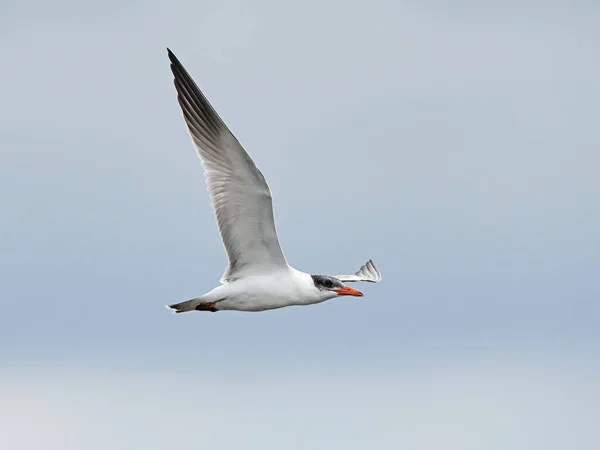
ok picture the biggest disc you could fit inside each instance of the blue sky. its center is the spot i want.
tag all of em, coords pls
(456, 146)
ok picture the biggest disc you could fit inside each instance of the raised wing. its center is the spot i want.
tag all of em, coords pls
(239, 193)
(369, 272)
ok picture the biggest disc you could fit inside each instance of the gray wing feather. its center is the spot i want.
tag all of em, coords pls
(369, 272)
(239, 192)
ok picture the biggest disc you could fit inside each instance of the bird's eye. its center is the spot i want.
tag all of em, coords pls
(328, 284)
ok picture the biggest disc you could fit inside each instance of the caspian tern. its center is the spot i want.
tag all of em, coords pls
(258, 277)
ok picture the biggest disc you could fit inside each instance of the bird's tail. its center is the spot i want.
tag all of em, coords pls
(195, 304)
(188, 305)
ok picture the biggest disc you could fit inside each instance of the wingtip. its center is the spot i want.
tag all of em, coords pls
(376, 270)
(172, 57)
(371, 269)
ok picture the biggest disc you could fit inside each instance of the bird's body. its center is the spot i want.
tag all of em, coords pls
(262, 292)
(258, 276)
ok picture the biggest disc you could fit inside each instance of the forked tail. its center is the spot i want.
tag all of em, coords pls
(195, 304)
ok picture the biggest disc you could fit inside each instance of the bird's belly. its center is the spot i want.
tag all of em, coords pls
(263, 293)
(244, 302)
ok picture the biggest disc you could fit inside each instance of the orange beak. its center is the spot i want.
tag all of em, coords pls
(349, 291)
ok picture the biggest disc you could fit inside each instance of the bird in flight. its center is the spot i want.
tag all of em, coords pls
(258, 276)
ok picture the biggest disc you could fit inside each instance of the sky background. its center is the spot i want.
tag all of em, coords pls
(456, 145)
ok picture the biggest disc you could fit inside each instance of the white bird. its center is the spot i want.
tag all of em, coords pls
(258, 277)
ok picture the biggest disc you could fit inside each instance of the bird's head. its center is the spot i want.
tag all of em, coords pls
(331, 287)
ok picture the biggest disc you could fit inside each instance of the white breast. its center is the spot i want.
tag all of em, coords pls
(259, 293)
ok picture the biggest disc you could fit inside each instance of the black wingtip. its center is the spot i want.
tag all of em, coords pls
(175, 64)
(172, 57)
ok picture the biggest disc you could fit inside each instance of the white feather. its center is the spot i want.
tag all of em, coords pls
(369, 272)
